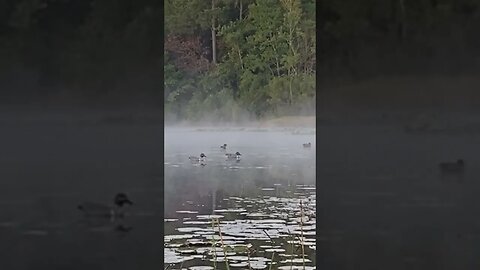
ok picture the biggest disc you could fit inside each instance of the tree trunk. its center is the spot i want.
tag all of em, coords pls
(240, 57)
(291, 92)
(214, 37)
(277, 62)
(241, 9)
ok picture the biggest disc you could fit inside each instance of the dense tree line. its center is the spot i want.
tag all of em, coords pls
(77, 49)
(225, 57)
(361, 39)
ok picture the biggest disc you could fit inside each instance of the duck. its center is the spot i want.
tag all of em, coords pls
(307, 145)
(197, 159)
(224, 146)
(91, 209)
(122, 228)
(233, 156)
(452, 167)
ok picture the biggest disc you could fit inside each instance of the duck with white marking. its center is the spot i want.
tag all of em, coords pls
(91, 209)
(236, 156)
(197, 159)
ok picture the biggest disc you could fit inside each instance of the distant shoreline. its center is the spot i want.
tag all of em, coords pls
(278, 122)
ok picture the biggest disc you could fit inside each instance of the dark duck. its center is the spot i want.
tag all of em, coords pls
(457, 167)
(198, 159)
(91, 209)
(236, 156)
(307, 145)
(224, 146)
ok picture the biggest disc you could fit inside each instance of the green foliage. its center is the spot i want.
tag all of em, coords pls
(185, 16)
(266, 49)
(267, 59)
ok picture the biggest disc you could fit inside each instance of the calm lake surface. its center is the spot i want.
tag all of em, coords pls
(384, 205)
(48, 168)
(264, 203)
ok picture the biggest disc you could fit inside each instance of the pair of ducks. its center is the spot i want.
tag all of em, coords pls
(202, 156)
(228, 155)
(307, 145)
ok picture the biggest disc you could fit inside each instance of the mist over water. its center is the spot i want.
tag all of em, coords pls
(268, 158)
(273, 165)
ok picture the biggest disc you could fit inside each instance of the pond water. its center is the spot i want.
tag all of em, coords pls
(257, 212)
(47, 170)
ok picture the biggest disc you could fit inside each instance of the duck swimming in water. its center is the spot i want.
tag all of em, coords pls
(233, 156)
(224, 146)
(198, 159)
(100, 210)
(307, 145)
(457, 167)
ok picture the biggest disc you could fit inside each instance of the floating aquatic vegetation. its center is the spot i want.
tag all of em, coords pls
(296, 267)
(169, 245)
(240, 264)
(171, 257)
(209, 217)
(196, 222)
(256, 215)
(277, 250)
(177, 236)
(187, 251)
(295, 261)
(263, 221)
(205, 267)
(288, 255)
(192, 229)
(171, 219)
(230, 210)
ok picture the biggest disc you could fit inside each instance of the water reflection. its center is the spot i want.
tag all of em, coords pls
(254, 212)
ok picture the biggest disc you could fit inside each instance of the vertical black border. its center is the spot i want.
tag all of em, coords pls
(319, 189)
(161, 139)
